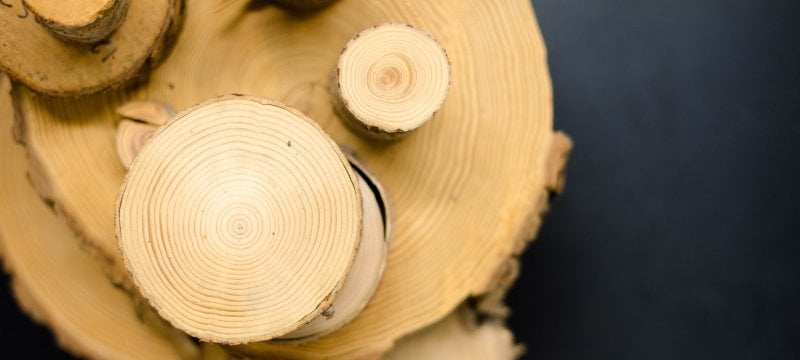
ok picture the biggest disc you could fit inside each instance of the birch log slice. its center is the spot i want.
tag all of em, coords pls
(31, 54)
(84, 21)
(468, 188)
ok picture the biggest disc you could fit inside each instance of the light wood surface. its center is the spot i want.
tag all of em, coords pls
(62, 287)
(131, 136)
(84, 21)
(32, 55)
(368, 266)
(54, 280)
(468, 188)
(239, 220)
(303, 5)
(390, 79)
(458, 336)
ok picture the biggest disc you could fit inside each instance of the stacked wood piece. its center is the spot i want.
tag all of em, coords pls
(468, 188)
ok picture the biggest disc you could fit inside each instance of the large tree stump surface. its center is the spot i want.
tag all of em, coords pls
(468, 188)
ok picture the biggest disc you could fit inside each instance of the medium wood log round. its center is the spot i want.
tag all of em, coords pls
(31, 54)
(84, 21)
(391, 79)
(468, 191)
(239, 220)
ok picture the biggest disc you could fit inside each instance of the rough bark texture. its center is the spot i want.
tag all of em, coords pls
(32, 55)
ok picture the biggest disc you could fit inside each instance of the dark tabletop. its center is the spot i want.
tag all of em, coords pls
(678, 236)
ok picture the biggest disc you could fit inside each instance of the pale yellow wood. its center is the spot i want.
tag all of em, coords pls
(390, 80)
(32, 55)
(84, 21)
(458, 336)
(468, 188)
(239, 220)
(54, 278)
(131, 136)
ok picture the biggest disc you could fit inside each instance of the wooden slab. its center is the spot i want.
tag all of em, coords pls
(468, 188)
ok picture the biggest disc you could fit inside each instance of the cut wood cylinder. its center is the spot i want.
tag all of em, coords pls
(84, 21)
(241, 220)
(113, 40)
(390, 79)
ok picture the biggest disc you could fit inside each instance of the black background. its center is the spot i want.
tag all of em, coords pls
(678, 236)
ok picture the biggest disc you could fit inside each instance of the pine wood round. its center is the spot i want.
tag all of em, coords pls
(31, 54)
(391, 79)
(468, 188)
(239, 220)
(84, 21)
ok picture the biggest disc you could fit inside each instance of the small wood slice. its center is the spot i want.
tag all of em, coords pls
(32, 55)
(64, 288)
(84, 21)
(390, 80)
(239, 220)
(131, 136)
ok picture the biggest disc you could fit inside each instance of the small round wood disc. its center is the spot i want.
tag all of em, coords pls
(391, 79)
(239, 220)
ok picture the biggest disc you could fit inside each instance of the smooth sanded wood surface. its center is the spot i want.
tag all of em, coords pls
(468, 189)
(390, 79)
(32, 55)
(131, 136)
(84, 21)
(239, 220)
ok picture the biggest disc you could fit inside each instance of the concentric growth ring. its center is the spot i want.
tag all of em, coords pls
(391, 79)
(239, 220)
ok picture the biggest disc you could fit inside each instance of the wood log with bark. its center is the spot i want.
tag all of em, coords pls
(468, 189)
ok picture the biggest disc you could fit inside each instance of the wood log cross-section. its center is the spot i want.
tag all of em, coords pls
(468, 188)
(64, 288)
(241, 221)
(390, 80)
